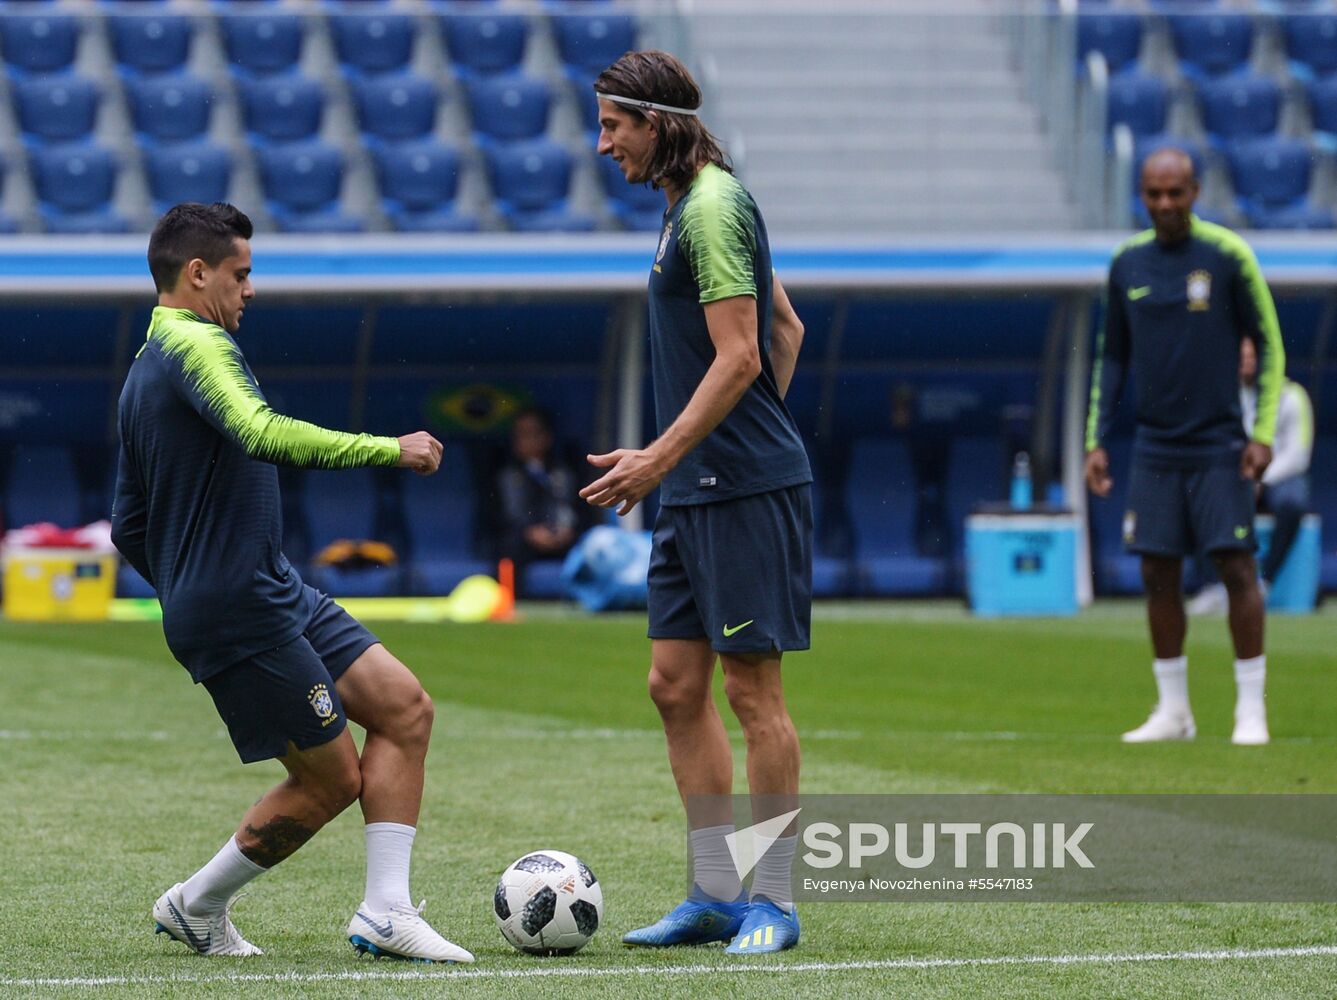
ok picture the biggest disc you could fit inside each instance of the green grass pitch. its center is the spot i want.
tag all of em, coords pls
(118, 780)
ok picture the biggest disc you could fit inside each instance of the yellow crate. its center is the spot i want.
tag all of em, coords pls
(44, 585)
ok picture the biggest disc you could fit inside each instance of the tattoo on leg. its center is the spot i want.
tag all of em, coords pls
(274, 841)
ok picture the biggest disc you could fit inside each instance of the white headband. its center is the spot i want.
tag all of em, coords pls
(632, 102)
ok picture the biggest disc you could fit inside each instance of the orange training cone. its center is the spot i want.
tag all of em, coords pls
(505, 609)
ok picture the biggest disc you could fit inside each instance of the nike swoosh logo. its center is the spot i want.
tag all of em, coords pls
(387, 931)
(196, 943)
(737, 628)
(1138, 293)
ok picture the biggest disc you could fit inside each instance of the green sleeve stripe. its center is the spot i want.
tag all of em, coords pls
(1093, 412)
(211, 366)
(717, 236)
(1272, 370)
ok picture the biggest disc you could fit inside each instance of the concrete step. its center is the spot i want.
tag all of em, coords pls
(962, 184)
(801, 117)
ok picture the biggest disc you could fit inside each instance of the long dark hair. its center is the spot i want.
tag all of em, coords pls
(684, 143)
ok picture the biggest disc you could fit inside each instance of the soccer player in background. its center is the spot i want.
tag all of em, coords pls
(197, 514)
(731, 568)
(1181, 296)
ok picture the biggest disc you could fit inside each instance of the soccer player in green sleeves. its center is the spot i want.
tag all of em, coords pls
(1181, 296)
(197, 514)
(731, 568)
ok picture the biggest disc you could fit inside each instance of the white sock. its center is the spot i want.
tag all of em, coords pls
(773, 877)
(1172, 683)
(389, 846)
(1250, 676)
(210, 888)
(712, 864)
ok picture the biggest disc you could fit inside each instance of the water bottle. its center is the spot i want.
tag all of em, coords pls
(1021, 482)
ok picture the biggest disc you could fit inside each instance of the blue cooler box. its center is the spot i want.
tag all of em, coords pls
(1295, 590)
(1022, 563)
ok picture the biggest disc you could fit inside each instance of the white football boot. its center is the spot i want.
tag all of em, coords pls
(1210, 600)
(1250, 729)
(211, 935)
(1163, 724)
(401, 933)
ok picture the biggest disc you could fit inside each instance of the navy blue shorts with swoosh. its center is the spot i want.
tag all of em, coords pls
(1181, 510)
(287, 694)
(737, 572)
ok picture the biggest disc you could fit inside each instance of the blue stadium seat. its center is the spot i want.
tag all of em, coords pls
(281, 108)
(75, 183)
(1311, 44)
(530, 181)
(262, 43)
(394, 105)
(1117, 35)
(375, 42)
(153, 43)
(441, 519)
(169, 107)
(1140, 101)
(56, 108)
(881, 492)
(418, 180)
(509, 107)
(342, 504)
(190, 171)
(1322, 96)
(1271, 178)
(638, 207)
(1239, 106)
(1211, 44)
(40, 486)
(589, 43)
(40, 42)
(302, 182)
(484, 43)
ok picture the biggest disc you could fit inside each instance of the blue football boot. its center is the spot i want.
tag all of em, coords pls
(699, 919)
(766, 928)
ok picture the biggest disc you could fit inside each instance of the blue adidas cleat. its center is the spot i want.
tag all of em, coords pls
(699, 919)
(766, 928)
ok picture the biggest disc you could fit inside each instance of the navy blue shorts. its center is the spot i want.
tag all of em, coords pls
(737, 572)
(286, 694)
(1178, 511)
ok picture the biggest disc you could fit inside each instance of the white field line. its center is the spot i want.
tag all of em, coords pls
(579, 972)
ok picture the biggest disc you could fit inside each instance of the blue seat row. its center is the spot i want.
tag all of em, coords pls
(283, 113)
(1240, 109)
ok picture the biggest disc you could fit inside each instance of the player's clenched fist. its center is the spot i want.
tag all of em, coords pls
(420, 452)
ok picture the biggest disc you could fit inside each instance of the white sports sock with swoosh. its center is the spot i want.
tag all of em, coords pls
(208, 890)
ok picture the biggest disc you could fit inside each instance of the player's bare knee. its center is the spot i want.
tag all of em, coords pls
(416, 720)
(1238, 575)
(1160, 580)
(676, 695)
(341, 789)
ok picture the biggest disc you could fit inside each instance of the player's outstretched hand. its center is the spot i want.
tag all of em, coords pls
(632, 475)
(1255, 460)
(420, 452)
(1097, 471)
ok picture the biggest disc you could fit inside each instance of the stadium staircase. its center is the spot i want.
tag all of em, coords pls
(913, 121)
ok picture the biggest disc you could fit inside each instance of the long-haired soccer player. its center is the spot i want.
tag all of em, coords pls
(731, 570)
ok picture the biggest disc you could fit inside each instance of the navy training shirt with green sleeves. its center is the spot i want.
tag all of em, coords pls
(197, 508)
(1174, 318)
(714, 247)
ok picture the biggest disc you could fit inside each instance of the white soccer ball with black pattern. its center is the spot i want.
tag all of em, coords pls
(548, 903)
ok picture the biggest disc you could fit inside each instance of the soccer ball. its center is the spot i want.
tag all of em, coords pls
(548, 903)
